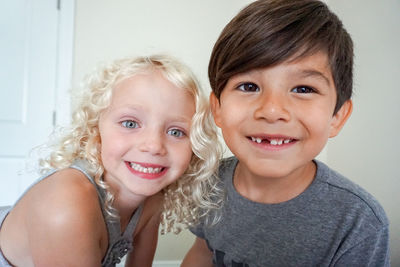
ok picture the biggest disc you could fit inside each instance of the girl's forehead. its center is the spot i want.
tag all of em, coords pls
(151, 91)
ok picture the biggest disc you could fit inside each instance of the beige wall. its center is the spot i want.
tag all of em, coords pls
(366, 150)
(106, 29)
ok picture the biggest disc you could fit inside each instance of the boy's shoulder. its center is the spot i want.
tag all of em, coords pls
(341, 190)
(330, 191)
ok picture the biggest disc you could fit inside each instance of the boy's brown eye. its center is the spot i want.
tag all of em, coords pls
(303, 90)
(249, 87)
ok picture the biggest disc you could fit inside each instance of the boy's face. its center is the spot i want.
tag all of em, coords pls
(276, 120)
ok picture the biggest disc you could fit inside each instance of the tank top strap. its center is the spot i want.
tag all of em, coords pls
(118, 243)
(82, 166)
(130, 228)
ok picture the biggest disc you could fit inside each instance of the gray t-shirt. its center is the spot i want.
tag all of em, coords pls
(333, 222)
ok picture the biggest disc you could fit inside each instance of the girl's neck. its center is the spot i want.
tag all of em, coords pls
(124, 202)
(126, 208)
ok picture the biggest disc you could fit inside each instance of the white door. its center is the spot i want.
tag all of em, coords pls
(29, 34)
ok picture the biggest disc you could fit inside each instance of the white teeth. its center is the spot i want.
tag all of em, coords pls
(140, 168)
(274, 142)
(258, 140)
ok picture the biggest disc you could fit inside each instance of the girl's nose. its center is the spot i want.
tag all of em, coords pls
(153, 142)
(272, 107)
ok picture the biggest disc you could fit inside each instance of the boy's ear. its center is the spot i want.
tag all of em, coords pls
(340, 118)
(215, 108)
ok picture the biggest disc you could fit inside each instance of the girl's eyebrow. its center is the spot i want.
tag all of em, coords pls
(180, 119)
(128, 107)
(139, 108)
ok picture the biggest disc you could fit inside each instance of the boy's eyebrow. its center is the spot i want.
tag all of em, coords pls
(314, 73)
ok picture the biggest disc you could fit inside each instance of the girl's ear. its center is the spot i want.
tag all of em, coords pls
(215, 108)
(340, 118)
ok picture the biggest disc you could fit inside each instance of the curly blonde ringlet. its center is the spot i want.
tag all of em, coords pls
(190, 197)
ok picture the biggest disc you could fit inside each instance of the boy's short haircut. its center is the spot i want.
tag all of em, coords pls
(269, 32)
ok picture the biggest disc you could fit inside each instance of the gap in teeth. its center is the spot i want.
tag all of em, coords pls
(139, 168)
(274, 142)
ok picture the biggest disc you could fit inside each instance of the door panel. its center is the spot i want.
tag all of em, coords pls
(28, 29)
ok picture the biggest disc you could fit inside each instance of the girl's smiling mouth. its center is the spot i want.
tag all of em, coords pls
(145, 170)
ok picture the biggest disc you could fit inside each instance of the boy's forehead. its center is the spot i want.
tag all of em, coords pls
(315, 65)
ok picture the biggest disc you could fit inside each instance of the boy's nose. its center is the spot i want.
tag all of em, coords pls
(272, 107)
(152, 141)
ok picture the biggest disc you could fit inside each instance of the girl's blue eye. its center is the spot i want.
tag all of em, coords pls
(303, 90)
(130, 124)
(249, 87)
(176, 133)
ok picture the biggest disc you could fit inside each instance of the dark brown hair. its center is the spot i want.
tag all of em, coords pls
(269, 32)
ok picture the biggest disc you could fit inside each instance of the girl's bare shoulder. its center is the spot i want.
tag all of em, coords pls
(54, 214)
(65, 192)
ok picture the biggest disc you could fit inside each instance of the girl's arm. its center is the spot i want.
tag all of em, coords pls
(63, 222)
(199, 255)
(145, 240)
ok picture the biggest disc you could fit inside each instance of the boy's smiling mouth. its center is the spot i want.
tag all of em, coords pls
(274, 141)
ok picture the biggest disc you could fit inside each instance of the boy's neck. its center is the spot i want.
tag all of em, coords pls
(272, 190)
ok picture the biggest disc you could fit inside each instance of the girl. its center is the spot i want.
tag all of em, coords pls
(140, 151)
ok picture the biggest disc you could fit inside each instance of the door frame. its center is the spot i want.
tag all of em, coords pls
(65, 47)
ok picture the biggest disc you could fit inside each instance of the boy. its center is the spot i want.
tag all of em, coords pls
(281, 78)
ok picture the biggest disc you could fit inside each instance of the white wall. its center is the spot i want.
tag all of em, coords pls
(366, 150)
(105, 30)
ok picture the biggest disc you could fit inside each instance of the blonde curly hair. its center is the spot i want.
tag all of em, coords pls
(190, 197)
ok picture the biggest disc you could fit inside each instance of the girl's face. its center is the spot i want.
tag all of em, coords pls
(144, 134)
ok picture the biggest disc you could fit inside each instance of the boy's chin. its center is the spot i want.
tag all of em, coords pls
(276, 169)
